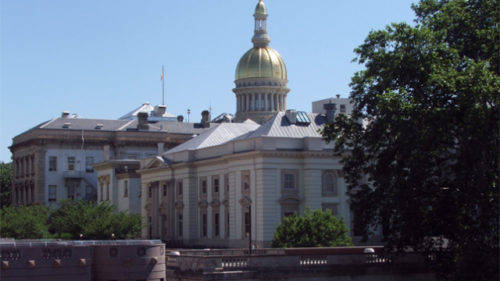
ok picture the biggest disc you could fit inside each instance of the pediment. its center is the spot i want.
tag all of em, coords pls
(155, 162)
(245, 200)
(289, 199)
(203, 204)
(215, 203)
(179, 204)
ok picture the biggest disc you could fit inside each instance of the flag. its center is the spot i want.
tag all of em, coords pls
(161, 72)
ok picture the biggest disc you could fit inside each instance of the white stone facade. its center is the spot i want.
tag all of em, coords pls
(275, 175)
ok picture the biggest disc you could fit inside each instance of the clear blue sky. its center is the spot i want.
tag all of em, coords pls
(102, 58)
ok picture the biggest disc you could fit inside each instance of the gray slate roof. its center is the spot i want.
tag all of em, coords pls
(277, 126)
(217, 135)
(120, 125)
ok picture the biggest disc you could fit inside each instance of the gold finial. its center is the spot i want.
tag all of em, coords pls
(261, 8)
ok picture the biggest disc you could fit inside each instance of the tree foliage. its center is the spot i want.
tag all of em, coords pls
(317, 229)
(5, 184)
(93, 221)
(424, 135)
(24, 222)
(68, 221)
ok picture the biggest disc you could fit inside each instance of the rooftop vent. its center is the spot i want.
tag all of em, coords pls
(66, 125)
(160, 110)
(205, 118)
(99, 126)
(65, 114)
(142, 123)
(291, 115)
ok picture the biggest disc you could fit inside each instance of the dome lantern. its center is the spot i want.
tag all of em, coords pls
(261, 76)
(260, 37)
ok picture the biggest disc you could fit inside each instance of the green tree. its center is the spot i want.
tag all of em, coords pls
(5, 184)
(93, 221)
(24, 222)
(317, 229)
(424, 135)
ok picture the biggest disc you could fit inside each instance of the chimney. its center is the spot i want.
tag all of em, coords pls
(106, 153)
(205, 118)
(161, 147)
(330, 109)
(160, 110)
(180, 118)
(65, 114)
(142, 121)
(291, 115)
(338, 96)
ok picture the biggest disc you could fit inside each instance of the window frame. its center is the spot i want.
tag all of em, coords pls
(52, 163)
(71, 161)
(54, 188)
(334, 183)
(295, 177)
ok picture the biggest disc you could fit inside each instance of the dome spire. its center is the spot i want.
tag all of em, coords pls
(260, 38)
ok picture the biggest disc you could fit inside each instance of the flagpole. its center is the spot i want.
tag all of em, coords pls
(162, 87)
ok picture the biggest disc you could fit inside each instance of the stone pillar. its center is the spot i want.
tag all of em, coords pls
(272, 102)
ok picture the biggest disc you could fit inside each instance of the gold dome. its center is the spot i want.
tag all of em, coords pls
(261, 63)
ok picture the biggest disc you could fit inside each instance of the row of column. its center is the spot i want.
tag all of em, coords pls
(260, 102)
(24, 194)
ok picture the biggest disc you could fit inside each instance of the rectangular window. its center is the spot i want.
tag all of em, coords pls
(245, 181)
(150, 192)
(215, 183)
(89, 161)
(247, 223)
(71, 192)
(179, 188)
(71, 163)
(288, 179)
(204, 225)
(342, 108)
(203, 186)
(179, 225)
(125, 189)
(227, 225)
(164, 190)
(216, 224)
(52, 163)
(52, 193)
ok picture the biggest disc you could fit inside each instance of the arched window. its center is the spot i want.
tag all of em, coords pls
(329, 183)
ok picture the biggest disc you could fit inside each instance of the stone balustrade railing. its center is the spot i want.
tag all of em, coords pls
(260, 259)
